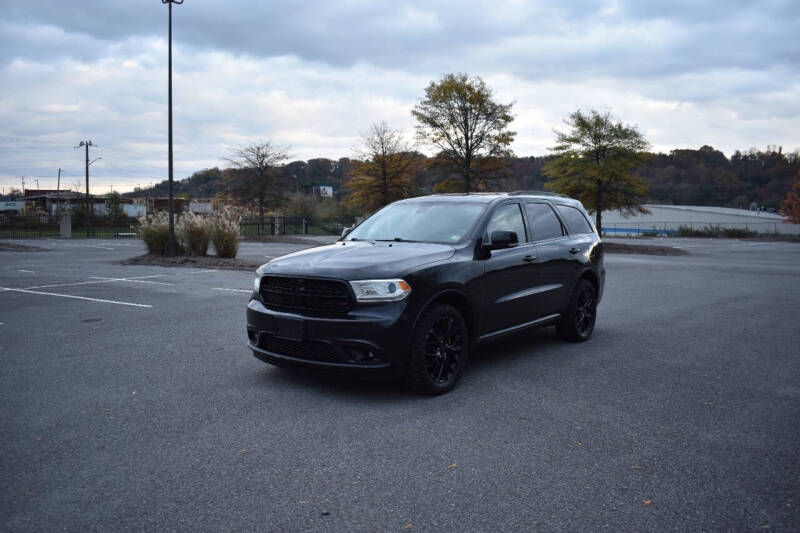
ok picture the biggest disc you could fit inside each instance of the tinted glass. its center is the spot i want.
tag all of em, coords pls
(420, 221)
(576, 222)
(509, 218)
(544, 222)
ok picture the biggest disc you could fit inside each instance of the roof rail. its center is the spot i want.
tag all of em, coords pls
(538, 193)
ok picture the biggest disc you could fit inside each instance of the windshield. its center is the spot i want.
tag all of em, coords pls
(444, 223)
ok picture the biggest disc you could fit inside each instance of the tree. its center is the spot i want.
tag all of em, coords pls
(791, 204)
(596, 163)
(114, 206)
(460, 117)
(254, 175)
(383, 169)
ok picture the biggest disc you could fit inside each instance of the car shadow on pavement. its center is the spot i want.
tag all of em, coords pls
(336, 385)
(508, 351)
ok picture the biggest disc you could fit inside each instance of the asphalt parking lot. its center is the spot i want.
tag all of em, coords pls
(130, 402)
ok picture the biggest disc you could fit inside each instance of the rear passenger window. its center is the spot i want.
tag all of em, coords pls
(544, 222)
(576, 222)
(508, 218)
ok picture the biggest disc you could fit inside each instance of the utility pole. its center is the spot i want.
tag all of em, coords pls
(37, 184)
(87, 144)
(58, 192)
(172, 246)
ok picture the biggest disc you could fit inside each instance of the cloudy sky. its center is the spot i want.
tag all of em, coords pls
(313, 75)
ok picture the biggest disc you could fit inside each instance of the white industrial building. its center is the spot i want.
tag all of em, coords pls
(665, 219)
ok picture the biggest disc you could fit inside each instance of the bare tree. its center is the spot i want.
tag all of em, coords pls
(253, 175)
(383, 169)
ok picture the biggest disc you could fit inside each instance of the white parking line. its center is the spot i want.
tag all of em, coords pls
(99, 280)
(75, 297)
(26, 271)
(90, 246)
(134, 280)
(232, 290)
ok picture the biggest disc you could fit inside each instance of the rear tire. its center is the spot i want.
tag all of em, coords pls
(577, 323)
(439, 351)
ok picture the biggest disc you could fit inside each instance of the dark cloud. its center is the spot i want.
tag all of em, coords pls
(578, 38)
(315, 73)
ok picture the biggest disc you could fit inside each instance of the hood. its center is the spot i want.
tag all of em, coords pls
(359, 260)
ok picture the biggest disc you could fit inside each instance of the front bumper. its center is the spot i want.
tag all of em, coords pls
(369, 341)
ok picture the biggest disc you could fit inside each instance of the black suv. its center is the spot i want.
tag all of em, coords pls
(410, 290)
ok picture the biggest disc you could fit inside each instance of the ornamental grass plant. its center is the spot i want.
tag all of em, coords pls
(224, 228)
(193, 233)
(154, 229)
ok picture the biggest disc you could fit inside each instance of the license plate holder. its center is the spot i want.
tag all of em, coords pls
(289, 328)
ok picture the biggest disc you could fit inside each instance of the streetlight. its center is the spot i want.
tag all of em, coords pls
(172, 246)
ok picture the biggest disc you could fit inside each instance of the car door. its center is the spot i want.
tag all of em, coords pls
(552, 256)
(580, 240)
(509, 274)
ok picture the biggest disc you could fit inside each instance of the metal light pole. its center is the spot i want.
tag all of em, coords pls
(172, 245)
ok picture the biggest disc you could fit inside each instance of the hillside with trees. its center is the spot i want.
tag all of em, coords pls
(704, 176)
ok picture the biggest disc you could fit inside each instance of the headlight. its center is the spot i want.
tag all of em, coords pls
(257, 282)
(380, 290)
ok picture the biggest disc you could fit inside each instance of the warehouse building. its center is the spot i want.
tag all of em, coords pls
(666, 219)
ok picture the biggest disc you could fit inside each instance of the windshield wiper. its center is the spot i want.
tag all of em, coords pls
(396, 239)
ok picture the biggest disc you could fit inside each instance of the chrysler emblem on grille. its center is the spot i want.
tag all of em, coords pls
(299, 285)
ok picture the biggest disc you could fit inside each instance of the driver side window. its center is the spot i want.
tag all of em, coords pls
(509, 218)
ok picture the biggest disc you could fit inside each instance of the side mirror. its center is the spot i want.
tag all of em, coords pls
(345, 231)
(502, 239)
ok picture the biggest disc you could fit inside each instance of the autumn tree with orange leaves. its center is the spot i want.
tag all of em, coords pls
(383, 170)
(791, 205)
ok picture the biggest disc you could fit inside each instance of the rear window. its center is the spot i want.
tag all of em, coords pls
(544, 223)
(576, 222)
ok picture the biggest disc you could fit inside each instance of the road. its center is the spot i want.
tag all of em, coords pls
(129, 402)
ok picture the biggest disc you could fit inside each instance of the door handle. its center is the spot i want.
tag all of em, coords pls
(529, 258)
(574, 250)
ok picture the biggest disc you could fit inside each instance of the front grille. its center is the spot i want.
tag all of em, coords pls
(313, 350)
(305, 294)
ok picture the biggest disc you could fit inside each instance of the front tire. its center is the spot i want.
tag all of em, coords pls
(577, 324)
(439, 351)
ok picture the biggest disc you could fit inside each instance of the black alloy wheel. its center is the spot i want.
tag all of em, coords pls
(585, 312)
(577, 323)
(439, 351)
(443, 345)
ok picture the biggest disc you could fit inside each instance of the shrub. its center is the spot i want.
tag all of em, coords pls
(738, 233)
(154, 230)
(300, 205)
(224, 226)
(193, 234)
(687, 231)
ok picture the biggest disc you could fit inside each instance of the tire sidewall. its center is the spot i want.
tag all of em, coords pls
(567, 327)
(418, 376)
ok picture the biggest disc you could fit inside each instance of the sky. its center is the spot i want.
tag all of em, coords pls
(312, 76)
